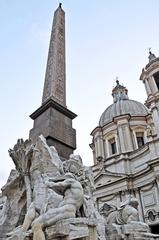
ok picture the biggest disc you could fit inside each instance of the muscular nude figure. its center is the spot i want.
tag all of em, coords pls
(72, 201)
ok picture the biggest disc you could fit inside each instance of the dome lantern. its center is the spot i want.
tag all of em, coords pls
(122, 106)
(119, 92)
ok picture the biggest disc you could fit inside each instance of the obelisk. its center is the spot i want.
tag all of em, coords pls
(53, 119)
(55, 78)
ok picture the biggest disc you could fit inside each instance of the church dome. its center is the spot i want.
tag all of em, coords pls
(122, 105)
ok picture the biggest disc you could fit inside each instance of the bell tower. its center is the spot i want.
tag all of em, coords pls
(53, 119)
(150, 78)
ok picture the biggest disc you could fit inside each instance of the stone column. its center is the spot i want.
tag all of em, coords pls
(141, 216)
(121, 137)
(125, 137)
(145, 137)
(101, 147)
(155, 116)
(107, 148)
(147, 87)
(96, 148)
(128, 138)
(152, 84)
(152, 150)
(117, 143)
(94, 156)
(135, 140)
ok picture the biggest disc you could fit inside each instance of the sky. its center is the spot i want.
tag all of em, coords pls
(104, 40)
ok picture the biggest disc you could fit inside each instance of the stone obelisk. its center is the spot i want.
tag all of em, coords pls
(53, 119)
(55, 78)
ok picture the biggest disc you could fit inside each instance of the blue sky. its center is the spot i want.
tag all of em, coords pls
(104, 39)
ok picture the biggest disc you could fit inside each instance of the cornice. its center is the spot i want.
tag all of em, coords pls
(52, 104)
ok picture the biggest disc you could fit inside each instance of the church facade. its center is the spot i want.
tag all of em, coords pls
(125, 148)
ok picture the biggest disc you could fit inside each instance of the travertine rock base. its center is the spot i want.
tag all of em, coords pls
(69, 229)
(129, 232)
(74, 228)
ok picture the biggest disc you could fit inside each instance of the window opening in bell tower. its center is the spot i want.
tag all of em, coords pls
(156, 77)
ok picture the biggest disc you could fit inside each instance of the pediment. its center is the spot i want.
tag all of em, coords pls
(107, 178)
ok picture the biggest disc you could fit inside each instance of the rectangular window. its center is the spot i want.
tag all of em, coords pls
(113, 146)
(140, 139)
